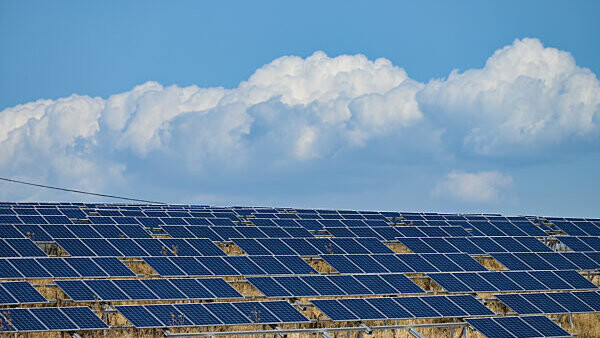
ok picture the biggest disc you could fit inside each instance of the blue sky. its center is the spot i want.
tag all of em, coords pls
(255, 103)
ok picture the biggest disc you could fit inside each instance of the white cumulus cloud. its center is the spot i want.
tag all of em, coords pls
(484, 186)
(294, 111)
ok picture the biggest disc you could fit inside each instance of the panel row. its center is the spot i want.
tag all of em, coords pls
(195, 314)
(359, 309)
(311, 246)
(229, 266)
(552, 303)
(50, 319)
(127, 247)
(146, 289)
(510, 281)
(578, 228)
(581, 243)
(335, 285)
(56, 267)
(549, 260)
(473, 245)
(390, 233)
(405, 263)
(226, 233)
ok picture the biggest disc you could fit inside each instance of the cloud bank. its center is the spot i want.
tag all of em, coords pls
(479, 187)
(296, 112)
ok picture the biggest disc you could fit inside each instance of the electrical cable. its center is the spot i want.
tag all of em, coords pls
(79, 191)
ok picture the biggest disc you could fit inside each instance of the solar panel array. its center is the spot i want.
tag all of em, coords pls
(183, 258)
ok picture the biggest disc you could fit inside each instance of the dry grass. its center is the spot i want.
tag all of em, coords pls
(490, 263)
(398, 248)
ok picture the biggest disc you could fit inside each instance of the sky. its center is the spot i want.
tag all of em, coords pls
(463, 106)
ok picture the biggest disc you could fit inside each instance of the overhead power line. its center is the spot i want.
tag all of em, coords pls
(79, 191)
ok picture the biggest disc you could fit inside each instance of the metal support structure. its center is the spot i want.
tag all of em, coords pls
(324, 332)
(415, 333)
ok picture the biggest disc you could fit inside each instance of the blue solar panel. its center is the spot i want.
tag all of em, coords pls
(525, 280)
(367, 263)
(500, 281)
(128, 247)
(85, 267)
(190, 266)
(256, 312)
(206, 247)
(475, 282)
(29, 268)
(26, 248)
(219, 287)
(23, 320)
(270, 265)
(84, 318)
(163, 266)
(139, 316)
(417, 263)
(402, 284)
(545, 326)
(417, 307)
(24, 292)
(218, 266)
(334, 310)
(113, 266)
(449, 282)
(227, 314)
(163, 289)
(342, 264)
(444, 306)
(362, 309)
(389, 308)
(198, 314)
(135, 289)
(269, 287)
(392, 263)
(551, 280)
(57, 267)
(576, 280)
(54, 319)
(519, 304)
(77, 290)
(592, 299)
(285, 312)
(517, 327)
(416, 245)
(544, 303)
(570, 302)
(489, 328)
(106, 289)
(169, 315)
(376, 284)
(34, 232)
(244, 265)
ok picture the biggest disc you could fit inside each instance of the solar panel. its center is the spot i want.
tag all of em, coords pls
(392, 263)
(285, 312)
(367, 264)
(219, 287)
(489, 328)
(163, 289)
(342, 264)
(22, 320)
(57, 267)
(218, 266)
(519, 304)
(206, 247)
(77, 290)
(402, 284)
(190, 266)
(227, 314)
(417, 307)
(54, 319)
(84, 318)
(570, 302)
(545, 326)
(517, 327)
(362, 309)
(113, 266)
(139, 316)
(85, 267)
(334, 310)
(23, 292)
(169, 315)
(135, 289)
(163, 266)
(270, 265)
(29, 268)
(449, 282)
(25, 247)
(244, 265)
(256, 312)
(198, 314)
(546, 304)
(106, 289)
